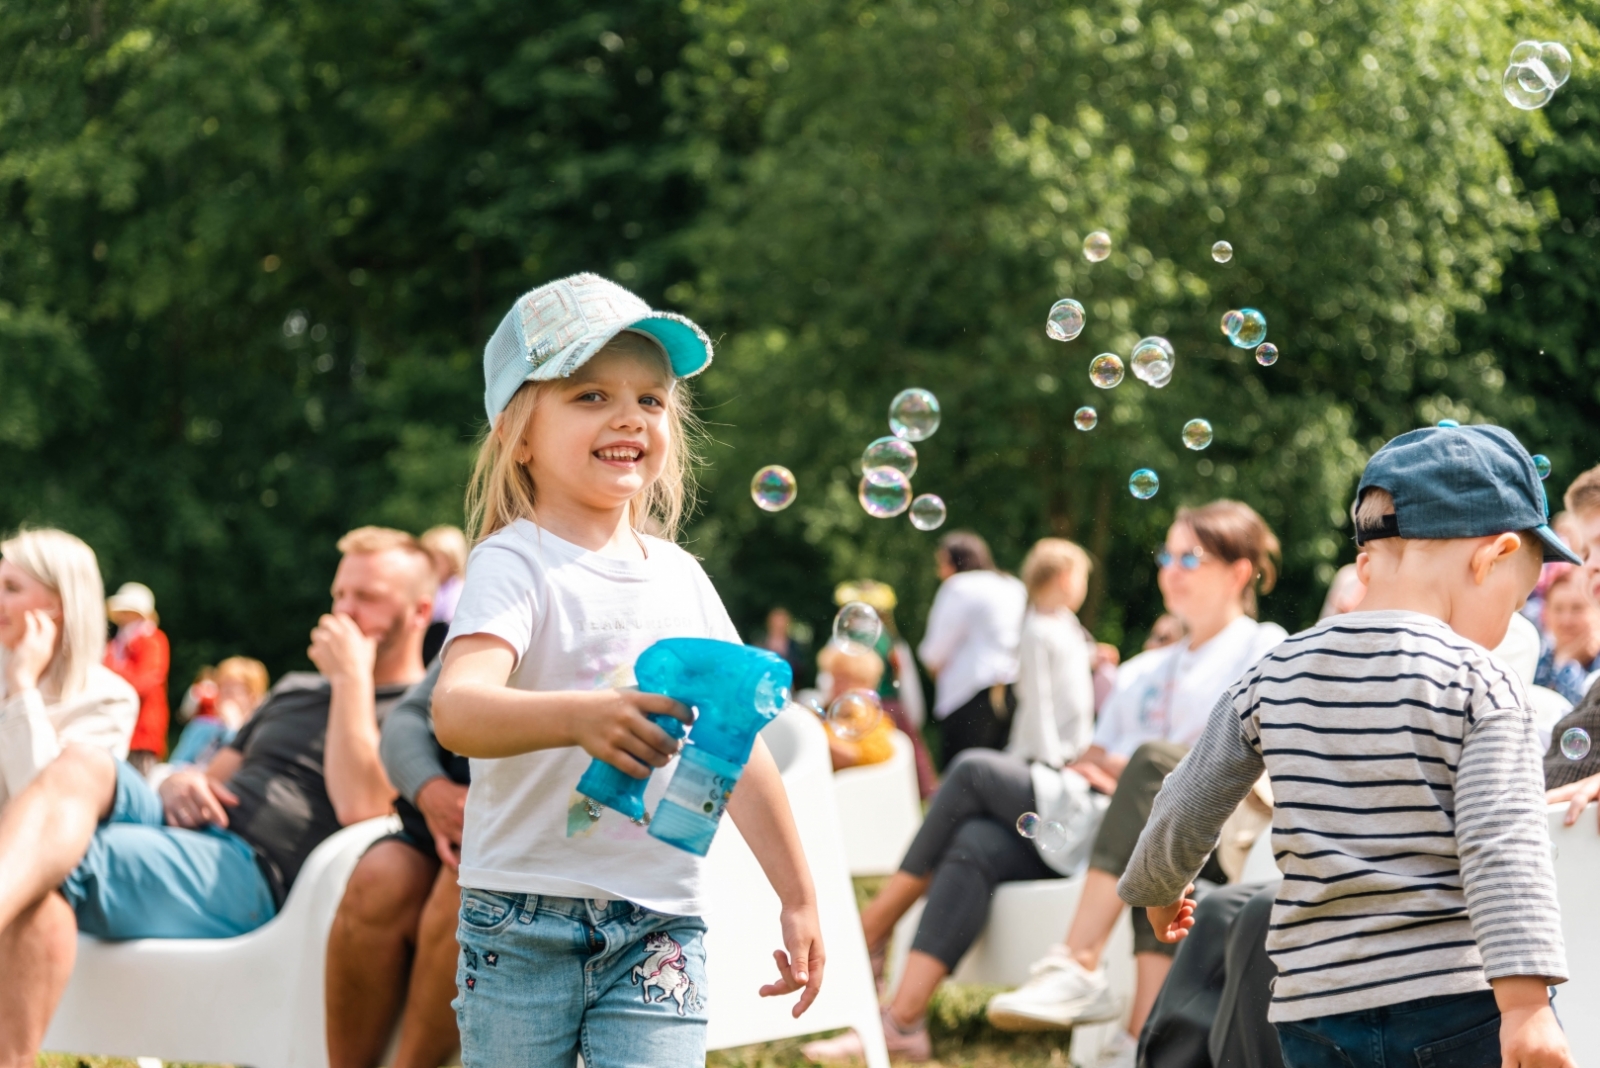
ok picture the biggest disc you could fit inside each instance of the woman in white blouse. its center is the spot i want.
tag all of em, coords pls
(53, 689)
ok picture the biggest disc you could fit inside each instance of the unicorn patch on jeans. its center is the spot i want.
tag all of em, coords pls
(664, 969)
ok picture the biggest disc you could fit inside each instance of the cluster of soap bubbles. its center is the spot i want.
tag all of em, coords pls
(1152, 361)
(1536, 70)
(857, 628)
(887, 466)
(1050, 835)
(1574, 743)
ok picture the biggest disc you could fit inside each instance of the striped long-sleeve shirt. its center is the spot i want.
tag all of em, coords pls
(1409, 819)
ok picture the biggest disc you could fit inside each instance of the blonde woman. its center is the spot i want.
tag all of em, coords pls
(53, 689)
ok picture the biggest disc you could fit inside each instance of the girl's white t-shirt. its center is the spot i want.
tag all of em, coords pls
(1167, 694)
(578, 621)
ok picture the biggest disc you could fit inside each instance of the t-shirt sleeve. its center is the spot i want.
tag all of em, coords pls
(1503, 838)
(241, 740)
(500, 598)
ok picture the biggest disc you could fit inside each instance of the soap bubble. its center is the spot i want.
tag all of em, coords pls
(1143, 483)
(1525, 89)
(1028, 824)
(1557, 60)
(1097, 246)
(857, 623)
(928, 512)
(1448, 424)
(884, 492)
(1231, 321)
(1222, 252)
(773, 488)
(1066, 320)
(1085, 418)
(1105, 370)
(891, 452)
(853, 714)
(914, 414)
(1266, 354)
(1252, 329)
(1152, 361)
(1537, 69)
(1196, 435)
(1575, 743)
(1541, 465)
(1053, 837)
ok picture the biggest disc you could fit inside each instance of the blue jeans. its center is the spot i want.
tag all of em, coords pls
(542, 978)
(142, 879)
(1450, 1031)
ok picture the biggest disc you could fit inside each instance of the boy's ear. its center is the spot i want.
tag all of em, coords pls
(1496, 550)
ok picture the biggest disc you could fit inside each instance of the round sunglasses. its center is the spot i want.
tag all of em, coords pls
(1188, 561)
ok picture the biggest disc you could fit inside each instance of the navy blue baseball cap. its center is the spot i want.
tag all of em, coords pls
(1459, 482)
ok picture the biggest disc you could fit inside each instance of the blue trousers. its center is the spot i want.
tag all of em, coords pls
(1450, 1031)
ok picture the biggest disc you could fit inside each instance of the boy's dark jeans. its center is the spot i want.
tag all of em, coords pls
(1451, 1031)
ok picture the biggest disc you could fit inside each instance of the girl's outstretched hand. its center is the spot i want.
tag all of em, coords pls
(613, 726)
(801, 966)
(1171, 923)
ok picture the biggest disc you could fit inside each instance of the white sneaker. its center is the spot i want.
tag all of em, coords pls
(1059, 993)
(1121, 1052)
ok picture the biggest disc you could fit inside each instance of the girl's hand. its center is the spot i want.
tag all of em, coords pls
(612, 725)
(802, 965)
(33, 653)
(1171, 923)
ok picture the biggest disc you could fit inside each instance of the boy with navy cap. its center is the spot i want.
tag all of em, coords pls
(1417, 920)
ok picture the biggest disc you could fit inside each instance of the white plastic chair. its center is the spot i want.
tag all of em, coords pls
(255, 999)
(742, 913)
(879, 810)
(1026, 919)
(1575, 852)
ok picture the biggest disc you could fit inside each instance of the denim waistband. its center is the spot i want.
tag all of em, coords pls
(585, 909)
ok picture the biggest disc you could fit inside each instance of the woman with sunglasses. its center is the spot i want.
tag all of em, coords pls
(1215, 559)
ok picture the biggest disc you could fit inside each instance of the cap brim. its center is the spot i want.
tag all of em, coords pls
(1555, 548)
(687, 348)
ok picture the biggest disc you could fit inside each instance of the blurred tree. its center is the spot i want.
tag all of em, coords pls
(249, 254)
(914, 230)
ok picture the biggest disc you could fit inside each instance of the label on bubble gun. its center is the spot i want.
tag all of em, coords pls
(703, 784)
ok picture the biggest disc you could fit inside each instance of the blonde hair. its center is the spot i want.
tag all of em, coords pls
(1376, 502)
(447, 542)
(502, 490)
(858, 665)
(252, 673)
(1050, 558)
(1583, 496)
(388, 539)
(68, 567)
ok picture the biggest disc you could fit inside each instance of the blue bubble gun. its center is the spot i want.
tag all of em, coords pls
(735, 690)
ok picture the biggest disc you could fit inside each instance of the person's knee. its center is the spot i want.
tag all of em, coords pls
(388, 888)
(971, 769)
(81, 771)
(1154, 759)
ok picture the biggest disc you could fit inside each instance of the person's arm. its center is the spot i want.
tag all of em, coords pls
(406, 744)
(1577, 796)
(1189, 811)
(27, 738)
(356, 782)
(194, 797)
(947, 626)
(760, 809)
(477, 715)
(1033, 728)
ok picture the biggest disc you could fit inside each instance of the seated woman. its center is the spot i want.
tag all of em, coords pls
(53, 689)
(969, 842)
(228, 699)
(1215, 559)
(854, 668)
(1571, 647)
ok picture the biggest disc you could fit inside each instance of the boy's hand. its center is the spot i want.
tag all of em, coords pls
(1171, 923)
(1577, 795)
(802, 965)
(611, 725)
(1529, 1034)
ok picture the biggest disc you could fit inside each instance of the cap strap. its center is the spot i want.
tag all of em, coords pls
(1386, 527)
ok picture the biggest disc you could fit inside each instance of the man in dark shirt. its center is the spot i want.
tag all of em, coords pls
(88, 846)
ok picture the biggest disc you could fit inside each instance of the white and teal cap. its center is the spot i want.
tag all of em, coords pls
(552, 331)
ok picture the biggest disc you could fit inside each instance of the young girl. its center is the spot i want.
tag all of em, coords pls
(579, 932)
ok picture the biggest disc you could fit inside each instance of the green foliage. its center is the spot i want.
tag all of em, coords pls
(914, 230)
(249, 254)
